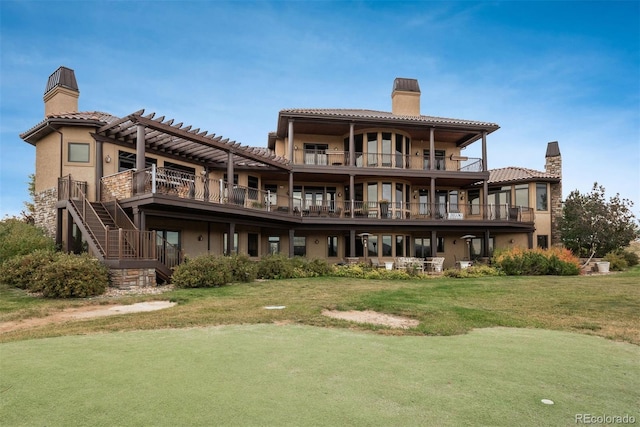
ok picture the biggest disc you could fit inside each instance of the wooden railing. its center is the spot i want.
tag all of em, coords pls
(334, 158)
(188, 186)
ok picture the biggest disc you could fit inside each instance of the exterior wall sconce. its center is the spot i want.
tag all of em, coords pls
(200, 238)
(107, 159)
(317, 241)
(339, 194)
(511, 241)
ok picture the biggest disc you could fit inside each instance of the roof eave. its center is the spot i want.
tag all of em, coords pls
(44, 128)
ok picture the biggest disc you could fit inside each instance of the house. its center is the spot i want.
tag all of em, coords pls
(141, 192)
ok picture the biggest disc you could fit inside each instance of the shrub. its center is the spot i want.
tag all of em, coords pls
(73, 276)
(553, 261)
(22, 271)
(276, 266)
(617, 261)
(242, 268)
(360, 271)
(204, 271)
(19, 238)
(479, 270)
(631, 257)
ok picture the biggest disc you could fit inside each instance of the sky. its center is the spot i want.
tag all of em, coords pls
(544, 71)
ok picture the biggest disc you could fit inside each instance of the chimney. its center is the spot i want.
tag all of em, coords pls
(405, 98)
(553, 166)
(61, 94)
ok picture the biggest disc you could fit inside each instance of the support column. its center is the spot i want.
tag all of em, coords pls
(485, 184)
(432, 149)
(68, 244)
(140, 157)
(530, 239)
(99, 170)
(485, 243)
(230, 180)
(231, 237)
(434, 243)
(290, 137)
(291, 192)
(352, 243)
(205, 184)
(352, 146)
(59, 217)
(352, 193)
(432, 197)
(291, 236)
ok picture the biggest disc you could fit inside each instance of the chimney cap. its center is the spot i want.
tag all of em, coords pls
(63, 77)
(406, 85)
(553, 149)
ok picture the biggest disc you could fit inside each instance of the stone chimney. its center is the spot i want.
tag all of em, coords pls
(405, 98)
(61, 94)
(553, 166)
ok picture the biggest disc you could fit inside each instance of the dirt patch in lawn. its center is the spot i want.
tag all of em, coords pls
(373, 317)
(87, 312)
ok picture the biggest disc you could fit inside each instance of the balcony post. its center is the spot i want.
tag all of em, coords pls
(432, 149)
(230, 177)
(153, 178)
(140, 157)
(352, 242)
(352, 189)
(352, 146)
(434, 243)
(290, 140)
(432, 197)
(99, 169)
(291, 193)
(291, 247)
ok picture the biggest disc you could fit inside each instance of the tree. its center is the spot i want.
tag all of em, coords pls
(590, 224)
(30, 213)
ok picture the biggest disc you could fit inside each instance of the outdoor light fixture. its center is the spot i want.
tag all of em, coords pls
(107, 159)
(365, 246)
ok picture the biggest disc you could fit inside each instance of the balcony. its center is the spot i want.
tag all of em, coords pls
(325, 158)
(167, 182)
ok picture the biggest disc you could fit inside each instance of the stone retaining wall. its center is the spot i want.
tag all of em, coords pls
(128, 278)
(44, 216)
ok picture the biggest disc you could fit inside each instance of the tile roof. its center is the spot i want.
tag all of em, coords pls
(515, 174)
(381, 115)
(91, 117)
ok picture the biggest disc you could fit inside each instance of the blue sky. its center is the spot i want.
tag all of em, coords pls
(544, 71)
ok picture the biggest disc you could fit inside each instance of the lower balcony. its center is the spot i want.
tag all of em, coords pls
(180, 185)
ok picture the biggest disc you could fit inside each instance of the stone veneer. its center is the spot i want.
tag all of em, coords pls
(553, 166)
(44, 215)
(117, 186)
(127, 278)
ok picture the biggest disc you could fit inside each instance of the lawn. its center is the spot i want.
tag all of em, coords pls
(486, 352)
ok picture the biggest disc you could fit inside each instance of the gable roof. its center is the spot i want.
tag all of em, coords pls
(55, 121)
(518, 174)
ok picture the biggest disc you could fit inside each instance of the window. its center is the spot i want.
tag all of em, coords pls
(477, 249)
(399, 246)
(422, 247)
(127, 161)
(372, 149)
(386, 149)
(272, 191)
(542, 201)
(522, 195)
(387, 247)
(253, 184)
(179, 168)
(440, 246)
(234, 248)
(332, 246)
(474, 201)
(78, 152)
(252, 244)
(372, 246)
(300, 246)
(439, 160)
(168, 244)
(543, 242)
(315, 154)
(274, 245)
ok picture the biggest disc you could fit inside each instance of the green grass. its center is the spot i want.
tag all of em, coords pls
(220, 358)
(606, 306)
(299, 375)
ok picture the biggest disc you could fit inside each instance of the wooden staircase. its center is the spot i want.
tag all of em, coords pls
(112, 237)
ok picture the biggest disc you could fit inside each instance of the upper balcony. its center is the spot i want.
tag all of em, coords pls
(330, 159)
(180, 185)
